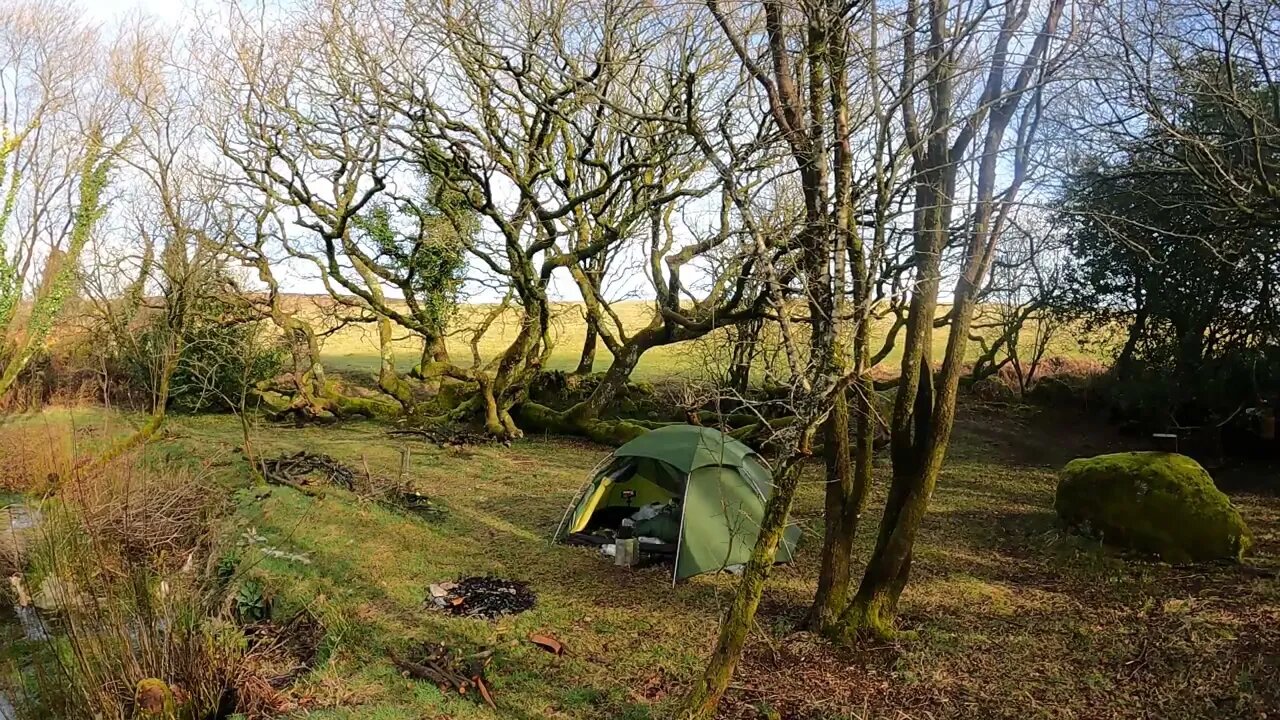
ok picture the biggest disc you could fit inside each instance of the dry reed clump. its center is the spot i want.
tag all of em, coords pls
(121, 559)
(158, 517)
(126, 558)
(34, 456)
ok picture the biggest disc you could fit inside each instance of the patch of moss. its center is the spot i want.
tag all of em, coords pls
(275, 403)
(372, 408)
(1160, 503)
(153, 699)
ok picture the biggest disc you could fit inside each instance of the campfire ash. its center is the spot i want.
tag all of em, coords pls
(481, 596)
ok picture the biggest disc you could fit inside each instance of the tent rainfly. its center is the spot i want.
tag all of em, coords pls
(717, 485)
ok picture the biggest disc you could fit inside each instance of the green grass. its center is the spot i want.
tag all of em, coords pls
(366, 570)
(1012, 617)
(353, 349)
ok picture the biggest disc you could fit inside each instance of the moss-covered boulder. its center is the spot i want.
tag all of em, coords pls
(1161, 503)
(154, 699)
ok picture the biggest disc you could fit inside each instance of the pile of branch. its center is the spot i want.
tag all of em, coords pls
(297, 470)
(447, 436)
(437, 664)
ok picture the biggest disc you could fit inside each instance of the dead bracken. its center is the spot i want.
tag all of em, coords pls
(481, 596)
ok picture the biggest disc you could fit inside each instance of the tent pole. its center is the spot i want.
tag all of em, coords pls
(684, 505)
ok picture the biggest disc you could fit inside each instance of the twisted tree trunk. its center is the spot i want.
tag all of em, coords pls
(587, 360)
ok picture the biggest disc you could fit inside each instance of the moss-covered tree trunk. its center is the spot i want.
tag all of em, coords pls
(848, 487)
(709, 688)
(308, 372)
(746, 339)
(917, 465)
(839, 523)
(159, 409)
(389, 380)
(614, 381)
(924, 410)
(913, 436)
(583, 418)
(58, 285)
(434, 348)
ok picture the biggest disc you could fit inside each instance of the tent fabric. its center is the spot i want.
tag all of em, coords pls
(649, 481)
(723, 486)
(722, 518)
(687, 447)
(590, 499)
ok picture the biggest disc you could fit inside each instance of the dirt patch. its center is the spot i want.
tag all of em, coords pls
(803, 676)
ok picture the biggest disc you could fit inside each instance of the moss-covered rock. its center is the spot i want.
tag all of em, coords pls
(1161, 503)
(153, 699)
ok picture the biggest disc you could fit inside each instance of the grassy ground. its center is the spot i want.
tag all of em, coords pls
(1013, 618)
(354, 348)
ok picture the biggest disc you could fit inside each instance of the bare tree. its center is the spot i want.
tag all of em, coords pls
(1015, 67)
(591, 137)
(1152, 73)
(61, 132)
(978, 74)
(170, 219)
(1018, 315)
(805, 98)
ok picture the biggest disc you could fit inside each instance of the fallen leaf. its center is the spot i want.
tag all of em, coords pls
(484, 692)
(548, 643)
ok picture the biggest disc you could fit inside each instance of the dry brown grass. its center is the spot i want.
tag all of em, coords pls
(34, 456)
(129, 551)
(122, 552)
(160, 517)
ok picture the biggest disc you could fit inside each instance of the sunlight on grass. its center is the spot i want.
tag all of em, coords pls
(354, 348)
(1003, 605)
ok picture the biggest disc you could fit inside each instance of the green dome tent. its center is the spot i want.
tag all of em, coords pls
(719, 485)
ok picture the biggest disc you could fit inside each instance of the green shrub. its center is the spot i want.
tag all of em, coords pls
(224, 355)
(221, 363)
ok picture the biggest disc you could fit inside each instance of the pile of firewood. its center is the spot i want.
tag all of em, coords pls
(298, 470)
(448, 436)
(463, 674)
(451, 673)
